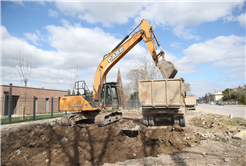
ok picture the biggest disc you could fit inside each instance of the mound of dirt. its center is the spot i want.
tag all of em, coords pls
(46, 144)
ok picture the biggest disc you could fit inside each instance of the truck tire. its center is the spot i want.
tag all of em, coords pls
(151, 120)
(182, 121)
(176, 120)
(145, 120)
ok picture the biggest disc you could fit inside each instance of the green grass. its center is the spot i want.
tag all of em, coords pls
(233, 122)
(5, 120)
(210, 120)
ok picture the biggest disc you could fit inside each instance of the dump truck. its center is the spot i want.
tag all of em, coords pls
(190, 102)
(162, 99)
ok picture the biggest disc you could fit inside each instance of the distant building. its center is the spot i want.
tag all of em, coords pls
(217, 96)
(42, 103)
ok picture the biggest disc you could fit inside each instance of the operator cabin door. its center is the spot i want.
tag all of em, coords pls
(108, 99)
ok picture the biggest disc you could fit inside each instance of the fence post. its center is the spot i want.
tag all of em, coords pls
(51, 107)
(34, 107)
(10, 102)
(5, 102)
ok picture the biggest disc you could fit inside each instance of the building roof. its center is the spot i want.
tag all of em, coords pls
(34, 88)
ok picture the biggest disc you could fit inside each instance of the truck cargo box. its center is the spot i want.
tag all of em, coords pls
(161, 93)
(190, 100)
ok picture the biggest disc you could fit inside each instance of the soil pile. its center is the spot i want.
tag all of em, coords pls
(47, 144)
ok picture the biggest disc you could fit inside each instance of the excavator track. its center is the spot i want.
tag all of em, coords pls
(102, 119)
(105, 118)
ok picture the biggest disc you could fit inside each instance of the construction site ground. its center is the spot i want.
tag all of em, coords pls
(207, 139)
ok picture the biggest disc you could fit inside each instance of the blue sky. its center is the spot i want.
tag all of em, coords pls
(205, 40)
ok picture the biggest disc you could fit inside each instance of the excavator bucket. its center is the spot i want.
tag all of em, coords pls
(167, 68)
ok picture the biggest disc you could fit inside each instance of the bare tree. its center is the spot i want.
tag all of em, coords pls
(127, 90)
(74, 74)
(187, 87)
(23, 63)
(144, 70)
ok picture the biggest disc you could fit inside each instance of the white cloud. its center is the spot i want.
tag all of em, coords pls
(106, 13)
(185, 33)
(78, 46)
(33, 37)
(52, 13)
(180, 16)
(19, 2)
(175, 45)
(222, 51)
(240, 18)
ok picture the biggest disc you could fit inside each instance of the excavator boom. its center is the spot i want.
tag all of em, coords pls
(168, 69)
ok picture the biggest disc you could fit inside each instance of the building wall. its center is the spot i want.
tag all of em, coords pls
(43, 97)
(217, 96)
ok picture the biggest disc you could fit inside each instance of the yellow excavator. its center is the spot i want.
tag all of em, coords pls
(102, 106)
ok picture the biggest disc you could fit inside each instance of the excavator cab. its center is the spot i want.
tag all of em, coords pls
(109, 95)
(109, 90)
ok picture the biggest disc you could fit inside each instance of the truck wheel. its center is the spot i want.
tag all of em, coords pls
(182, 121)
(176, 120)
(151, 120)
(145, 120)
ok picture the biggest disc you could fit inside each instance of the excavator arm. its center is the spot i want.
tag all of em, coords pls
(167, 69)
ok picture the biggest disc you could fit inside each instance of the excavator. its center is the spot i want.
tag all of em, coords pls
(102, 105)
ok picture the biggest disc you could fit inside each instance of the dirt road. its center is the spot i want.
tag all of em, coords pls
(205, 140)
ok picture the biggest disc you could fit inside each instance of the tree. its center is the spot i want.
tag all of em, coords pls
(74, 73)
(242, 100)
(144, 70)
(239, 91)
(127, 90)
(134, 96)
(187, 87)
(23, 63)
(228, 94)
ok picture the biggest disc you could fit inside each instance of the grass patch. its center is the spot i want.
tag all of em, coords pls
(210, 120)
(233, 122)
(5, 120)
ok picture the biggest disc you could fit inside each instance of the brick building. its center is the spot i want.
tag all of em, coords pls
(42, 103)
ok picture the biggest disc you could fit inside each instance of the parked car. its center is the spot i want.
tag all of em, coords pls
(220, 103)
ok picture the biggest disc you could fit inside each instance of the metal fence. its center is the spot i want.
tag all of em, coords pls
(30, 109)
(130, 105)
(15, 109)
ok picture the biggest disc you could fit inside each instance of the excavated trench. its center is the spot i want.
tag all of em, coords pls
(46, 144)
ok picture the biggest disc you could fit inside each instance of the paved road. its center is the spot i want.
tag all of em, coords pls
(236, 111)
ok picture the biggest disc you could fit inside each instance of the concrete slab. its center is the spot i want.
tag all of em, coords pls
(240, 136)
